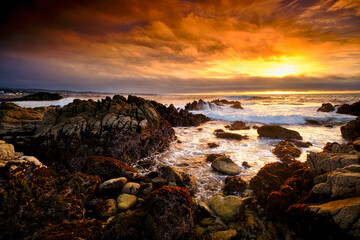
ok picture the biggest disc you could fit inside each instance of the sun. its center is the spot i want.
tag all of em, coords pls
(281, 70)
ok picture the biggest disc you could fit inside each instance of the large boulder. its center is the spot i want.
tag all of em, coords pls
(127, 129)
(181, 178)
(226, 166)
(277, 132)
(326, 107)
(170, 213)
(353, 109)
(351, 130)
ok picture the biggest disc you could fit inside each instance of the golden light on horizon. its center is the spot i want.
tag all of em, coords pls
(281, 71)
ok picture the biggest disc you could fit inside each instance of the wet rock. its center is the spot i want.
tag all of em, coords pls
(107, 208)
(237, 105)
(226, 166)
(353, 109)
(197, 105)
(213, 225)
(170, 213)
(345, 213)
(301, 144)
(237, 125)
(234, 185)
(131, 188)
(334, 147)
(227, 208)
(181, 178)
(113, 184)
(213, 145)
(7, 151)
(211, 157)
(158, 182)
(326, 107)
(245, 164)
(126, 202)
(341, 183)
(286, 151)
(351, 130)
(224, 235)
(227, 135)
(107, 168)
(277, 132)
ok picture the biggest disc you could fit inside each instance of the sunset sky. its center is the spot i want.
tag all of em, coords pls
(181, 46)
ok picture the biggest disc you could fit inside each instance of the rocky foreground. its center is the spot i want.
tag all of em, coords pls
(82, 183)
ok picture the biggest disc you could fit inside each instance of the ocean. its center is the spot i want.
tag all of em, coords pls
(289, 110)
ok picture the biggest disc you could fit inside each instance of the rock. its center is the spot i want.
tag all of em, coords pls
(286, 151)
(39, 96)
(7, 151)
(131, 188)
(227, 208)
(30, 160)
(227, 135)
(237, 106)
(245, 164)
(351, 130)
(113, 184)
(341, 183)
(226, 166)
(353, 109)
(277, 132)
(326, 107)
(107, 168)
(124, 129)
(224, 235)
(213, 225)
(234, 185)
(158, 182)
(237, 125)
(181, 178)
(345, 213)
(107, 208)
(339, 148)
(126, 202)
(182, 118)
(213, 145)
(211, 157)
(328, 162)
(170, 213)
(197, 105)
(301, 144)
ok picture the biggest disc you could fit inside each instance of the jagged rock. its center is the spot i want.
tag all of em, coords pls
(197, 105)
(326, 107)
(328, 162)
(237, 125)
(277, 132)
(125, 129)
(353, 109)
(345, 213)
(181, 178)
(113, 184)
(224, 235)
(170, 213)
(227, 208)
(339, 148)
(351, 130)
(227, 135)
(226, 166)
(286, 151)
(131, 188)
(126, 201)
(234, 185)
(182, 118)
(341, 183)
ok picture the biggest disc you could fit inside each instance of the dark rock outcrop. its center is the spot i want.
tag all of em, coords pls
(40, 96)
(286, 151)
(219, 133)
(326, 107)
(234, 185)
(126, 129)
(277, 132)
(353, 109)
(181, 178)
(182, 118)
(237, 125)
(225, 165)
(351, 130)
(202, 105)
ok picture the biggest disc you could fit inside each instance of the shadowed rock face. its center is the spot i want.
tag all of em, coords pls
(126, 129)
(326, 107)
(353, 109)
(278, 132)
(351, 130)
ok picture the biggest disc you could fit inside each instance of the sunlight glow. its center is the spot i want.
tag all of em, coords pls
(281, 71)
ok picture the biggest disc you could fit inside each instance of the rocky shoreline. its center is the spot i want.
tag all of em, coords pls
(82, 182)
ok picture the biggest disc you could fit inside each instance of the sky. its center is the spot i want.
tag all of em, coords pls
(181, 46)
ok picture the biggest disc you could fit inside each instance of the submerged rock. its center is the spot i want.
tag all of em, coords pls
(237, 125)
(286, 151)
(277, 132)
(213, 145)
(326, 107)
(226, 166)
(227, 135)
(351, 130)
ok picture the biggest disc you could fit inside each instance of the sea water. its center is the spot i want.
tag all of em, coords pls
(288, 110)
